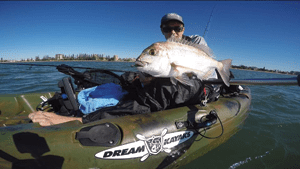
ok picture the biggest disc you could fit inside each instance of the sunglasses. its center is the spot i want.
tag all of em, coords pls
(169, 29)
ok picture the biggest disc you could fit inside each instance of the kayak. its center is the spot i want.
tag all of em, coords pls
(163, 139)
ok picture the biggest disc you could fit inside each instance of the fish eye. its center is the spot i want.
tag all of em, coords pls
(152, 52)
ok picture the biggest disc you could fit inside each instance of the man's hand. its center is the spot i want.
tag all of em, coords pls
(47, 119)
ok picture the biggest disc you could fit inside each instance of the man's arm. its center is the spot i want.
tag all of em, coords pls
(47, 119)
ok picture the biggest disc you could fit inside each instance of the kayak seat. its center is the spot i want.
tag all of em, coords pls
(65, 102)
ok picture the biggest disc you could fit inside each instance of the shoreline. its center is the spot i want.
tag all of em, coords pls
(129, 62)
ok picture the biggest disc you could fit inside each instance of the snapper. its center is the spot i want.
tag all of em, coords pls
(180, 58)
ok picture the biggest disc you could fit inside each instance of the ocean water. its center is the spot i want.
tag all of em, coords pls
(269, 139)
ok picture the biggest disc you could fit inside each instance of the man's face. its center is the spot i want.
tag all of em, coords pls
(173, 28)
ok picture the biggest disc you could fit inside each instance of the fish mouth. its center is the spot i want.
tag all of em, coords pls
(140, 63)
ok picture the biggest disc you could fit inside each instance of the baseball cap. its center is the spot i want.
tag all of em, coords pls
(171, 17)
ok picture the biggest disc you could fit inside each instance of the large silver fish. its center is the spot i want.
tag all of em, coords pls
(179, 58)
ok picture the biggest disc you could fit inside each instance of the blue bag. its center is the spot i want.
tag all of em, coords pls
(97, 97)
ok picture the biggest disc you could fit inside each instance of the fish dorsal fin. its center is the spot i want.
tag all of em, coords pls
(202, 47)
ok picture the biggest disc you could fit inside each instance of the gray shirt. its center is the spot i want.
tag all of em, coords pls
(198, 39)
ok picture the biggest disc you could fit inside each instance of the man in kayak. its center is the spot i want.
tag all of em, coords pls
(157, 93)
(172, 25)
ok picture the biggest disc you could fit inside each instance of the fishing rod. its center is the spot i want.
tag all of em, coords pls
(31, 64)
(206, 28)
(260, 81)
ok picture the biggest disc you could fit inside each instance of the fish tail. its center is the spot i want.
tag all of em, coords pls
(225, 71)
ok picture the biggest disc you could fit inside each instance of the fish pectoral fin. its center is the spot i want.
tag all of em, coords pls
(225, 72)
(174, 70)
(184, 79)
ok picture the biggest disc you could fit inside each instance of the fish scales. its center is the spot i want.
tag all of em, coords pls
(177, 59)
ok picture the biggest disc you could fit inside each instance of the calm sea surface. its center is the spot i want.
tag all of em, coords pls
(270, 137)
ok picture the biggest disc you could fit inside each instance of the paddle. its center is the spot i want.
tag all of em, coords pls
(259, 81)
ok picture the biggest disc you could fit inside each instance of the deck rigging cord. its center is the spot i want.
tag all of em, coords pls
(203, 135)
(206, 123)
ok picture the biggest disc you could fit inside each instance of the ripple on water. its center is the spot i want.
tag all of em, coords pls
(248, 160)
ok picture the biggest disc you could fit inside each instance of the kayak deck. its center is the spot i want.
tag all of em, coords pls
(153, 140)
(15, 108)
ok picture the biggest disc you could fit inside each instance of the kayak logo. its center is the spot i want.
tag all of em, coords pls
(154, 144)
(146, 146)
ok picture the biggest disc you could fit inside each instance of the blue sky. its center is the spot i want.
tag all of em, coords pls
(252, 33)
